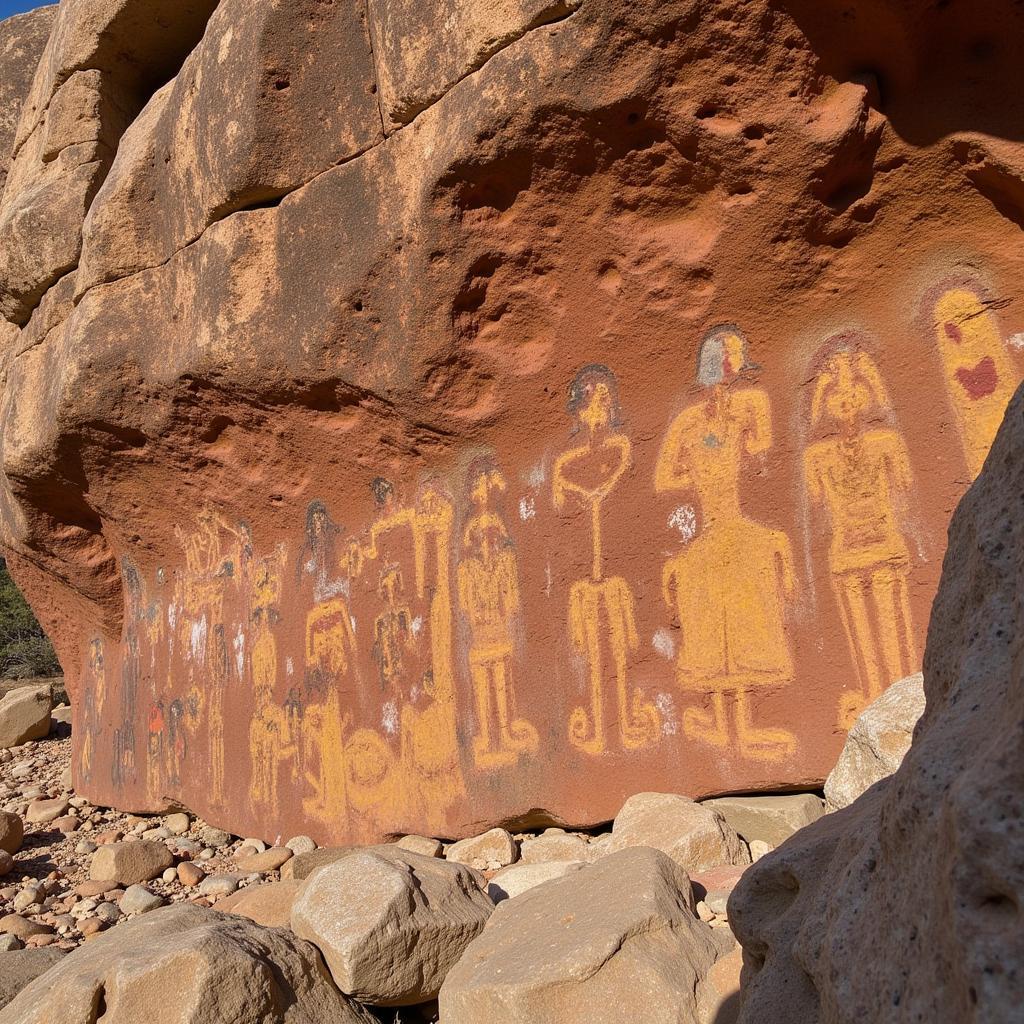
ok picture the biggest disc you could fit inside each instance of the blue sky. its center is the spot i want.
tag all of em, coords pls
(9, 7)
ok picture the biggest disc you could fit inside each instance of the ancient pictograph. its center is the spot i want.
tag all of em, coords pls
(602, 609)
(980, 376)
(858, 482)
(730, 586)
(489, 600)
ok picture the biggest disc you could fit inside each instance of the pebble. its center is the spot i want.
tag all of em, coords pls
(301, 844)
(178, 823)
(219, 885)
(9, 943)
(170, 875)
(137, 899)
(215, 837)
(190, 874)
(109, 912)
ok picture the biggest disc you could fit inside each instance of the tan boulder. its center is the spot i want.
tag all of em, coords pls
(25, 715)
(130, 862)
(616, 941)
(390, 923)
(269, 905)
(519, 878)
(268, 860)
(22, 927)
(877, 743)
(40, 812)
(19, 968)
(12, 831)
(302, 865)
(493, 849)
(904, 906)
(771, 818)
(422, 845)
(695, 836)
(554, 844)
(191, 965)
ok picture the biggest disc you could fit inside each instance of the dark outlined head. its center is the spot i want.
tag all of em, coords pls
(722, 356)
(594, 398)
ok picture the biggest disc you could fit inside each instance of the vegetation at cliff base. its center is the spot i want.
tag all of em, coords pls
(25, 650)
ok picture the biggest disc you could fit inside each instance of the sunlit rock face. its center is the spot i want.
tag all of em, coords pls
(416, 419)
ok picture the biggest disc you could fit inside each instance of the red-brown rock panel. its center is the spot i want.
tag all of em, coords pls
(594, 432)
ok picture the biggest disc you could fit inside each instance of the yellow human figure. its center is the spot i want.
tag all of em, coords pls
(980, 375)
(731, 585)
(489, 597)
(861, 479)
(601, 609)
(323, 745)
(270, 739)
(427, 774)
(392, 629)
(330, 641)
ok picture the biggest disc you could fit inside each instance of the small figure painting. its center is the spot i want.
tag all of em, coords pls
(602, 609)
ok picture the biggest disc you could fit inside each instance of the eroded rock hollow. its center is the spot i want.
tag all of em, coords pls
(420, 416)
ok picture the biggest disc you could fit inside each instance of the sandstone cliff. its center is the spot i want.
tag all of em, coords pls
(421, 416)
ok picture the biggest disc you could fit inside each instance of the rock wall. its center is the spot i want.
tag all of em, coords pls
(22, 39)
(906, 905)
(415, 419)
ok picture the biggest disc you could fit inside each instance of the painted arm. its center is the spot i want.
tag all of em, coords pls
(758, 426)
(672, 471)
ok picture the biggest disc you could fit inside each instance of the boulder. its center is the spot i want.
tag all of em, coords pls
(390, 923)
(40, 812)
(695, 836)
(268, 860)
(904, 905)
(20, 967)
(583, 949)
(770, 819)
(519, 878)
(130, 862)
(12, 831)
(302, 865)
(877, 743)
(493, 849)
(554, 844)
(422, 845)
(269, 905)
(25, 715)
(190, 964)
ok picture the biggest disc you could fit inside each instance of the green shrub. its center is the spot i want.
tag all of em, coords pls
(25, 650)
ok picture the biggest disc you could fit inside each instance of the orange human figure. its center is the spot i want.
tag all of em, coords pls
(489, 597)
(980, 375)
(730, 587)
(271, 742)
(860, 477)
(602, 612)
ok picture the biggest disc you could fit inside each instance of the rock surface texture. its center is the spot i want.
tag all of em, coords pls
(390, 923)
(905, 906)
(416, 418)
(611, 941)
(877, 743)
(185, 965)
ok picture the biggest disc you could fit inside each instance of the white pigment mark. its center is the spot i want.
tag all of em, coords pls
(389, 718)
(667, 706)
(664, 644)
(527, 508)
(1016, 340)
(536, 476)
(239, 645)
(684, 519)
(198, 640)
(417, 625)
(289, 666)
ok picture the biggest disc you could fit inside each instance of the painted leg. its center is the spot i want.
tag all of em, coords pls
(483, 752)
(517, 735)
(586, 731)
(863, 648)
(760, 744)
(708, 726)
(884, 590)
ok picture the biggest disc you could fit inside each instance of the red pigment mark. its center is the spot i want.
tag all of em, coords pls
(979, 381)
(954, 333)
